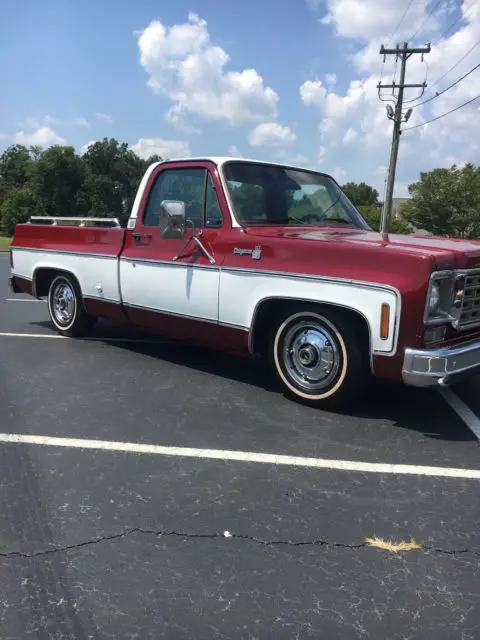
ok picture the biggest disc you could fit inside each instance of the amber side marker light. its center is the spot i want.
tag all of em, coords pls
(385, 321)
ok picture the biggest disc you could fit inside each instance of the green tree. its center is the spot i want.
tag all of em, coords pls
(361, 194)
(373, 214)
(56, 179)
(446, 202)
(15, 166)
(17, 206)
(112, 176)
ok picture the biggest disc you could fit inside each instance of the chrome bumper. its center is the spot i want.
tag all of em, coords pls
(444, 366)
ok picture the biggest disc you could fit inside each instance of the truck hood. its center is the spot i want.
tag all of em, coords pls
(446, 253)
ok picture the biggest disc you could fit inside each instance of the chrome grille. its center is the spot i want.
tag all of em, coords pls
(470, 311)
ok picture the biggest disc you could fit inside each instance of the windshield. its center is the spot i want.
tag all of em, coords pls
(268, 194)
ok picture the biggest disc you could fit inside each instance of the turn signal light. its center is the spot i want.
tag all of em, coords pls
(385, 321)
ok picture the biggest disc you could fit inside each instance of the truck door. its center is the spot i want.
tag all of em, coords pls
(159, 287)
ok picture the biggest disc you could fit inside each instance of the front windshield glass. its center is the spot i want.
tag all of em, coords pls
(265, 194)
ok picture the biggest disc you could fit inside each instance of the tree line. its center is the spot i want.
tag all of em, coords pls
(57, 181)
(444, 202)
(103, 181)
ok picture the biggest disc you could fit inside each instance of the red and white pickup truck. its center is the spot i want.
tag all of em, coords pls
(264, 260)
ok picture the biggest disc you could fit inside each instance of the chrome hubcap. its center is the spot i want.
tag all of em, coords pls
(311, 355)
(63, 304)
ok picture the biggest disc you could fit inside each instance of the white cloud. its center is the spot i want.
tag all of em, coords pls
(313, 92)
(182, 63)
(331, 78)
(234, 151)
(32, 122)
(339, 174)
(322, 155)
(43, 137)
(369, 19)
(288, 156)
(349, 136)
(166, 149)
(297, 160)
(104, 117)
(81, 122)
(84, 148)
(271, 134)
(356, 116)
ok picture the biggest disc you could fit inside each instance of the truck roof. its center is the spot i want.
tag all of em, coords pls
(219, 160)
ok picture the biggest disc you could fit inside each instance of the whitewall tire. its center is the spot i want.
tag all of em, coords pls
(65, 307)
(318, 356)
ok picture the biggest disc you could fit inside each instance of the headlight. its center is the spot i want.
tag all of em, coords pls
(434, 299)
(438, 305)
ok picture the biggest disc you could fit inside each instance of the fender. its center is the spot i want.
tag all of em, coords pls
(97, 275)
(257, 287)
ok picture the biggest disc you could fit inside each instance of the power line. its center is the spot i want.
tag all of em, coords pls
(427, 18)
(456, 64)
(439, 93)
(401, 19)
(462, 16)
(443, 114)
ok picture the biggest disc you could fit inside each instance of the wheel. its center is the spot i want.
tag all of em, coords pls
(320, 358)
(66, 308)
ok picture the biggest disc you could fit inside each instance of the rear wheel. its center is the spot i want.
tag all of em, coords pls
(66, 309)
(319, 357)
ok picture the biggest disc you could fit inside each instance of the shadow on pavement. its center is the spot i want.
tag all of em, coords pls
(418, 410)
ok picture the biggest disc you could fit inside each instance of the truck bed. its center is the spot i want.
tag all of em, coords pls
(86, 251)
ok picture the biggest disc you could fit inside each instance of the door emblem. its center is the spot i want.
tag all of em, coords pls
(255, 253)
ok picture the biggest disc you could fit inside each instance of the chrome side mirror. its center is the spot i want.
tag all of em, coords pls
(172, 219)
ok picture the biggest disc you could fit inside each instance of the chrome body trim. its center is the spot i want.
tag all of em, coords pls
(98, 298)
(54, 220)
(442, 366)
(256, 271)
(182, 315)
(170, 263)
(107, 256)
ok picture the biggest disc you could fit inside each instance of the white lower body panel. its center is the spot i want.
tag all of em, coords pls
(177, 288)
(97, 275)
(242, 291)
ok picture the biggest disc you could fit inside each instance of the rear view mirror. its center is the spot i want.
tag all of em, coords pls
(172, 219)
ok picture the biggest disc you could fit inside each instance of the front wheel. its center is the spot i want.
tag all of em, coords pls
(319, 358)
(66, 309)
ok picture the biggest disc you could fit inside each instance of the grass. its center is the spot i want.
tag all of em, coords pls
(5, 243)
(394, 547)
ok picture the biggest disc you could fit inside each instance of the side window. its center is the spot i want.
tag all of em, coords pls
(249, 200)
(213, 214)
(177, 184)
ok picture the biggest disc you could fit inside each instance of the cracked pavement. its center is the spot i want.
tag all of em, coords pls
(213, 536)
(100, 545)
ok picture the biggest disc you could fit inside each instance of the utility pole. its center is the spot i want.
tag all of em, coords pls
(397, 117)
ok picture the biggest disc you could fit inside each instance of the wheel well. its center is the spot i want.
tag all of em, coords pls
(43, 278)
(268, 311)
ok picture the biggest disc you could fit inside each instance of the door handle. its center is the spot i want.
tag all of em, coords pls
(138, 237)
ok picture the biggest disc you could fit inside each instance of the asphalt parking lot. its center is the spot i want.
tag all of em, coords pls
(154, 541)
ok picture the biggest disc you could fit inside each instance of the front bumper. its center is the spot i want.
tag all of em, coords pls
(443, 366)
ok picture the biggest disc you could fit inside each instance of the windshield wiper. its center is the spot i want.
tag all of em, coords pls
(325, 221)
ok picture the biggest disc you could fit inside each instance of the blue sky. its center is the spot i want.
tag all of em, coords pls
(293, 81)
